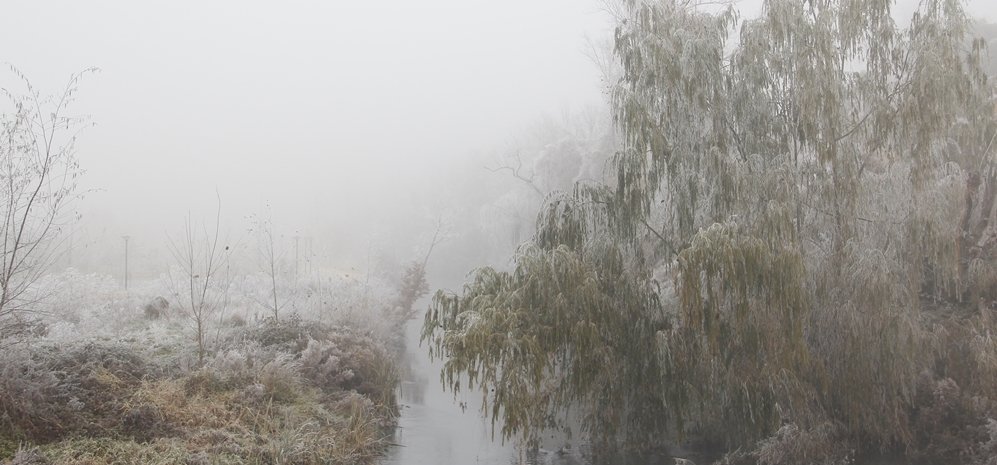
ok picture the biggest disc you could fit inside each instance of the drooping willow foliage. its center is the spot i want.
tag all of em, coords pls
(571, 325)
(799, 197)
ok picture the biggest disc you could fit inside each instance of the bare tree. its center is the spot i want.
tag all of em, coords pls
(271, 259)
(38, 181)
(517, 171)
(195, 282)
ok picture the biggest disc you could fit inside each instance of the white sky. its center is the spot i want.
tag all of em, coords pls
(326, 109)
(334, 112)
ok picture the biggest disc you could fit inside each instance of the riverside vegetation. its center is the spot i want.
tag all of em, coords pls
(231, 366)
(112, 377)
(792, 257)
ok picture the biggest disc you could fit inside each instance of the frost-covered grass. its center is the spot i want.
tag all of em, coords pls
(103, 381)
(75, 305)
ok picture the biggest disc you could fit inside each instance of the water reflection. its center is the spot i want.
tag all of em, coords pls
(433, 429)
(437, 429)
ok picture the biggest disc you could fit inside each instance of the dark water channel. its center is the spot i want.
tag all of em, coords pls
(437, 429)
(433, 428)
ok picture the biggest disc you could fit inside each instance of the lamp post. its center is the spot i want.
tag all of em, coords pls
(126, 260)
(296, 240)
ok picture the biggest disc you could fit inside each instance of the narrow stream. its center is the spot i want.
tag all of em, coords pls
(435, 428)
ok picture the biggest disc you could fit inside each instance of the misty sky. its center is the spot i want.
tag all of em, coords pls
(336, 113)
(325, 109)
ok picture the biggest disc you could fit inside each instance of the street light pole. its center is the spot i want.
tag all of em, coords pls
(296, 239)
(126, 260)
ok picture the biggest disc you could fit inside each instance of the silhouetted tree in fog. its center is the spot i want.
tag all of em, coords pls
(38, 178)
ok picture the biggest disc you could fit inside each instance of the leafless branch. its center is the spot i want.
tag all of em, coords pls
(518, 173)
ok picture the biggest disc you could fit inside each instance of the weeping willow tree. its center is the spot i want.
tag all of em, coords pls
(587, 345)
(797, 195)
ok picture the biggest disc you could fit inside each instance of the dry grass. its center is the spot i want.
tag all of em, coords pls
(255, 404)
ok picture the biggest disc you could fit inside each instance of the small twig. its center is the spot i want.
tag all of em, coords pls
(664, 241)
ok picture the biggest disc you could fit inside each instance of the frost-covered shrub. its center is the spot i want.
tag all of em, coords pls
(332, 356)
(236, 321)
(48, 392)
(321, 363)
(156, 308)
(259, 373)
(370, 363)
(280, 378)
(32, 397)
(290, 334)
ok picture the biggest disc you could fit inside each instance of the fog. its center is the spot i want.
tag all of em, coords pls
(343, 117)
(344, 121)
(776, 243)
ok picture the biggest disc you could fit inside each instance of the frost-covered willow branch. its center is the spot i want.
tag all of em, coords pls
(496, 336)
(799, 197)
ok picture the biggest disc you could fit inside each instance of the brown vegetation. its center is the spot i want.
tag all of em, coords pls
(292, 392)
